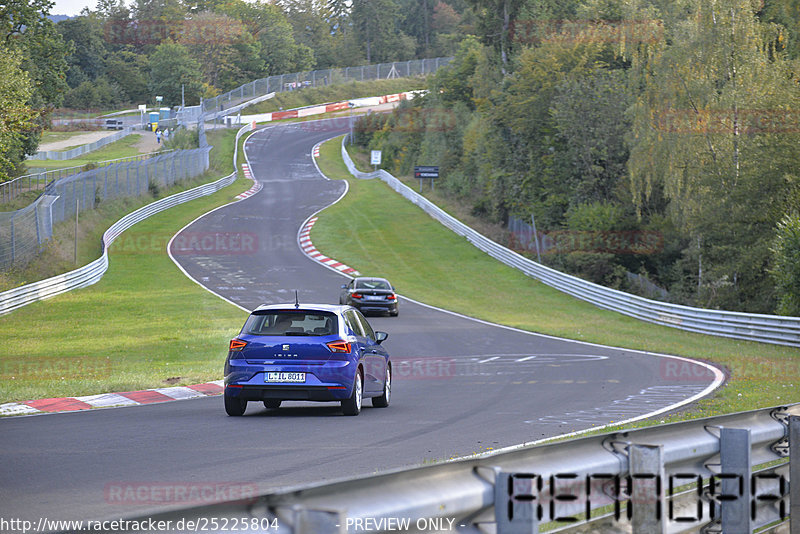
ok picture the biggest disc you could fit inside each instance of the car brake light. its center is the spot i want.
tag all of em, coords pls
(237, 345)
(339, 346)
(391, 297)
(356, 295)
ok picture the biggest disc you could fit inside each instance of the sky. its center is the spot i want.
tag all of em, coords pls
(71, 7)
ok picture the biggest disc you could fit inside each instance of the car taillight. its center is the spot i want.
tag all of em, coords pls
(356, 295)
(339, 346)
(237, 345)
(391, 297)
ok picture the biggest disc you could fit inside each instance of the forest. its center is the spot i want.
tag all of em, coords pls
(649, 140)
(123, 53)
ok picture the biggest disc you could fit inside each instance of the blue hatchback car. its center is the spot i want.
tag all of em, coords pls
(319, 352)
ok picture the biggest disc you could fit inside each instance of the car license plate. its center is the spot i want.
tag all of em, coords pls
(286, 377)
(374, 298)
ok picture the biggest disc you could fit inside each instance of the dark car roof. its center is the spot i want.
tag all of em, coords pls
(303, 307)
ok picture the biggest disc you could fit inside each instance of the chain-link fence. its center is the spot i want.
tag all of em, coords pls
(39, 180)
(314, 78)
(23, 232)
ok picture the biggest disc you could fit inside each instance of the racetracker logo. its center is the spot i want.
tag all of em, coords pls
(424, 368)
(55, 369)
(188, 243)
(566, 241)
(727, 121)
(587, 31)
(183, 493)
(405, 120)
(199, 32)
(215, 243)
(674, 370)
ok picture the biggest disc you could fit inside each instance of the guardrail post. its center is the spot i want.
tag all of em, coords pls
(794, 474)
(734, 455)
(647, 489)
(516, 503)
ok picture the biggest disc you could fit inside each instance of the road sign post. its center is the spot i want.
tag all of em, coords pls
(426, 171)
(375, 159)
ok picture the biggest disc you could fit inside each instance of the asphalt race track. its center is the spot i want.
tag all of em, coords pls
(461, 386)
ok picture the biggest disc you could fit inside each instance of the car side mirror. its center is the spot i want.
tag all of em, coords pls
(380, 337)
(344, 286)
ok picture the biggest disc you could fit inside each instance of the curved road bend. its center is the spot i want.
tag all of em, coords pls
(461, 386)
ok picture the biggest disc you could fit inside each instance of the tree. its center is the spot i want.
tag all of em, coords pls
(29, 33)
(786, 269)
(20, 16)
(310, 29)
(589, 113)
(710, 131)
(87, 60)
(16, 117)
(158, 20)
(279, 51)
(172, 66)
(337, 14)
(211, 39)
(129, 71)
(497, 18)
(374, 21)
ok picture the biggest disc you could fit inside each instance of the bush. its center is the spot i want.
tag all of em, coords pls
(182, 139)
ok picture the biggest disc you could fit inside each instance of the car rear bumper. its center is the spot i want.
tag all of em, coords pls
(294, 393)
(377, 306)
(332, 380)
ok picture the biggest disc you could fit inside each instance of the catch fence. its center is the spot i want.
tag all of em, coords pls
(23, 232)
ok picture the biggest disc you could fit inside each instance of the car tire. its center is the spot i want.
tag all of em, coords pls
(352, 406)
(394, 313)
(272, 404)
(383, 400)
(234, 406)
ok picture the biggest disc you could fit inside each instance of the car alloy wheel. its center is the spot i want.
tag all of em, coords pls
(383, 400)
(352, 406)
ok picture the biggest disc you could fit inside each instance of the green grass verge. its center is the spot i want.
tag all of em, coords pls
(123, 148)
(378, 232)
(143, 325)
(337, 92)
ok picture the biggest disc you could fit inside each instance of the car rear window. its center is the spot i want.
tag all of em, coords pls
(373, 284)
(291, 323)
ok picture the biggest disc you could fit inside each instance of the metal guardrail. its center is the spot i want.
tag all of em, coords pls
(773, 329)
(231, 102)
(706, 473)
(92, 272)
(81, 150)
